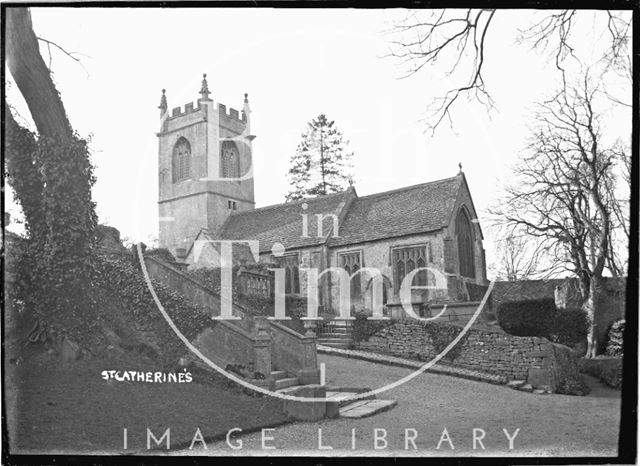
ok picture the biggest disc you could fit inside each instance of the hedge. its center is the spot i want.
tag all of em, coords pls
(540, 318)
(527, 318)
(569, 327)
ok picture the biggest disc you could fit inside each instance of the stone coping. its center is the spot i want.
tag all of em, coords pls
(413, 364)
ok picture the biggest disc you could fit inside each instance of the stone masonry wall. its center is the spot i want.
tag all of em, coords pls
(532, 359)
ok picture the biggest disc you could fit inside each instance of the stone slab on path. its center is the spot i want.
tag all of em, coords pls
(340, 396)
(365, 408)
(412, 364)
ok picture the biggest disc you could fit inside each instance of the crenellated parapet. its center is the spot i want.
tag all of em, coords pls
(231, 114)
(235, 120)
(178, 112)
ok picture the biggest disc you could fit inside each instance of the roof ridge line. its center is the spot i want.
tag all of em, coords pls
(414, 186)
(300, 201)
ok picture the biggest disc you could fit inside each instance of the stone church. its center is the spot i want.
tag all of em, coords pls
(206, 193)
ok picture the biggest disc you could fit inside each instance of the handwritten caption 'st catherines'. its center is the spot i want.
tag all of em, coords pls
(141, 376)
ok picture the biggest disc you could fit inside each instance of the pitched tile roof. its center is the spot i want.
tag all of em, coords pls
(283, 222)
(410, 210)
(413, 209)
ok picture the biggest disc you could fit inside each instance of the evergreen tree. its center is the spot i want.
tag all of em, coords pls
(322, 162)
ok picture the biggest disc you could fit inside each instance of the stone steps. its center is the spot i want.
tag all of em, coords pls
(336, 334)
(334, 337)
(278, 375)
(344, 343)
(343, 397)
(287, 382)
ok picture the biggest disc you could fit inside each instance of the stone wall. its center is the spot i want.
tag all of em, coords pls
(183, 284)
(532, 359)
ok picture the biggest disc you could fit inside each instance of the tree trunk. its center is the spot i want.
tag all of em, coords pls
(590, 307)
(23, 174)
(33, 77)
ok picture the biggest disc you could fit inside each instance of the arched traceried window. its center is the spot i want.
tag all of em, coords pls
(407, 259)
(181, 160)
(464, 232)
(229, 160)
(351, 262)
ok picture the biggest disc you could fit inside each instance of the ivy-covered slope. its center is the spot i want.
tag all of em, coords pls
(127, 309)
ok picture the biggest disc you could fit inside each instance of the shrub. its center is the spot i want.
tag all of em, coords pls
(363, 328)
(569, 327)
(576, 387)
(615, 342)
(527, 318)
(607, 370)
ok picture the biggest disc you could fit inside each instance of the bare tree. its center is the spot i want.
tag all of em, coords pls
(562, 192)
(519, 258)
(458, 37)
(32, 76)
(618, 258)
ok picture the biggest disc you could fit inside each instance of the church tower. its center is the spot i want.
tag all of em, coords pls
(205, 168)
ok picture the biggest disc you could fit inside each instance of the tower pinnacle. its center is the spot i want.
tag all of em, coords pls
(204, 89)
(245, 108)
(163, 102)
(246, 116)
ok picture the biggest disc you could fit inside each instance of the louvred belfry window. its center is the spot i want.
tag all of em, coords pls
(181, 160)
(351, 262)
(464, 232)
(407, 259)
(230, 160)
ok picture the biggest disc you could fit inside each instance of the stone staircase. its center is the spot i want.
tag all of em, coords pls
(253, 347)
(284, 380)
(336, 334)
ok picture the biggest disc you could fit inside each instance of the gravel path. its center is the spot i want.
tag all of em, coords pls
(549, 425)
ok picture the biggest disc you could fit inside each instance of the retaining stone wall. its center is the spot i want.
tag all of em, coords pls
(533, 359)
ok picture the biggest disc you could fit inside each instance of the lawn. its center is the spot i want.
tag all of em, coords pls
(57, 409)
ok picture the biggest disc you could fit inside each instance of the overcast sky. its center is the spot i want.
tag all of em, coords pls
(295, 64)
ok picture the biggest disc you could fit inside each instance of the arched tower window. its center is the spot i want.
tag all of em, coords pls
(181, 160)
(464, 232)
(229, 160)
